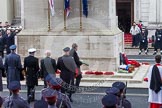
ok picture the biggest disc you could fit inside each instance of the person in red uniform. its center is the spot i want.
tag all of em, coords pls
(140, 25)
(155, 84)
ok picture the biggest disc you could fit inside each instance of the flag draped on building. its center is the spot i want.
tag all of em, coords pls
(85, 8)
(51, 4)
(67, 7)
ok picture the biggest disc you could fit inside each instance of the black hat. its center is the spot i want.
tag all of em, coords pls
(14, 85)
(112, 90)
(40, 104)
(109, 100)
(119, 85)
(66, 49)
(49, 93)
(12, 47)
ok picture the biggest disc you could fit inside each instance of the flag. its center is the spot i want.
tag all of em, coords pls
(85, 8)
(51, 3)
(67, 7)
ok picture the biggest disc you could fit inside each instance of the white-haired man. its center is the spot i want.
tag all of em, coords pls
(48, 66)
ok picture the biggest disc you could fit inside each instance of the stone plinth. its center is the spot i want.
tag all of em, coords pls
(99, 49)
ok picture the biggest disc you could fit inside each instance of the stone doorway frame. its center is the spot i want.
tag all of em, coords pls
(132, 2)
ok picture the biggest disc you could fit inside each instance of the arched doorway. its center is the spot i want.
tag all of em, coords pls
(125, 13)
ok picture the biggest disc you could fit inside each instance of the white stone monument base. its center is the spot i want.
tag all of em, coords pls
(99, 49)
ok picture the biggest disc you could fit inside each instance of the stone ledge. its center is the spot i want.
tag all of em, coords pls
(107, 32)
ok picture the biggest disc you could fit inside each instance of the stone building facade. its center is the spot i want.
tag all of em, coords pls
(100, 40)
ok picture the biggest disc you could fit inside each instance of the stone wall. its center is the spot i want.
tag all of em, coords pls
(100, 51)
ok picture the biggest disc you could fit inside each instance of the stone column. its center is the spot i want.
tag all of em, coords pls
(17, 8)
(136, 10)
(112, 13)
(22, 13)
(6, 6)
(160, 11)
(153, 11)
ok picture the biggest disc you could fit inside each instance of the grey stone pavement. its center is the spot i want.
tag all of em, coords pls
(92, 99)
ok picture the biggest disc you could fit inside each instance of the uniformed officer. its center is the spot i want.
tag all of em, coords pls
(48, 66)
(158, 41)
(31, 67)
(15, 101)
(73, 53)
(69, 70)
(123, 102)
(9, 40)
(13, 65)
(63, 100)
(143, 42)
(109, 101)
(50, 96)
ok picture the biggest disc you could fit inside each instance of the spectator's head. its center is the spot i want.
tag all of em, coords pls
(1, 101)
(1, 24)
(13, 48)
(66, 51)
(40, 104)
(75, 46)
(48, 53)
(158, 58)
(50, 95)
(134, 24)
(109, 101)
(14, 87)
(32, 51)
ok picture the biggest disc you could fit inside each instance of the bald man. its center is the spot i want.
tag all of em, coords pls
(48, 66)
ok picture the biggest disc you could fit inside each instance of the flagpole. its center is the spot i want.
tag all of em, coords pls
(49, 17)
(64, 17)
(80, 15)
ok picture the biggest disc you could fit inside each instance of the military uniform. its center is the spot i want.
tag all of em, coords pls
(143, 42)
(31, 66)
(63, 100)
(9, 40)
(68, 68)
(13, 66)
(158, 41)
(15, 101)
(51, 97)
